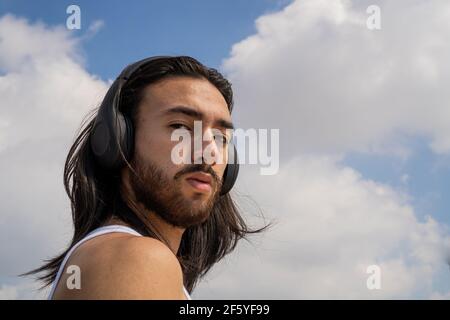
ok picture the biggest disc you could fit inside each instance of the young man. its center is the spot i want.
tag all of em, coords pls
(146, 226)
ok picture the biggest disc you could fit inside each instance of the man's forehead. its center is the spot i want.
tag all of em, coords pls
(197, 94)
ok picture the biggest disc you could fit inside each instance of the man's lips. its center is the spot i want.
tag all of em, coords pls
(200, 181)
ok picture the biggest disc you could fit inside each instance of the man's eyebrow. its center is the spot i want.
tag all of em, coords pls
(184, 110)
(187, 111)
(224, 124)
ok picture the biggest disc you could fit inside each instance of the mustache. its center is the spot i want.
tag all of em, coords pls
(199, 168)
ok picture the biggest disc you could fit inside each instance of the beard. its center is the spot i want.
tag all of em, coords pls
(162, 194)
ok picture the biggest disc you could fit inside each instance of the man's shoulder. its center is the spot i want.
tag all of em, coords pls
(119, 245)
(125, 266)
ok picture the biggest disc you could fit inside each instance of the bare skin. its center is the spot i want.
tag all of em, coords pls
(124, 266)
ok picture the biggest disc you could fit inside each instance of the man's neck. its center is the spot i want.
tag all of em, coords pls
(171, 235)
(169, 232)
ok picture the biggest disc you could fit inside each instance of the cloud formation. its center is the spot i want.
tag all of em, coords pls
(45, 92)
(315, 70)
(332, 86)
(332, 224)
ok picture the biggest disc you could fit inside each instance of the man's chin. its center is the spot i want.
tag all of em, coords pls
(199, 205)
(197, 198)
(200, 208)
(196, 218)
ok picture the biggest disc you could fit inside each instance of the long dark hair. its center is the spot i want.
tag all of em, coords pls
(96, 196)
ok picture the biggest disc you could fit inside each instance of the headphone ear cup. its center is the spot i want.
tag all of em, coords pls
(106, 145)
(127, 142)
(231, 171)
(99, 139)
(124, 130)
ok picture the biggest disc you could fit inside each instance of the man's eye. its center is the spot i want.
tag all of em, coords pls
(179, 125)
(222, 139)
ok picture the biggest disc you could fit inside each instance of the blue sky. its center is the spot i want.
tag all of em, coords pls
(207, 30)
(429, 176)
(287, 61)
(136, 29)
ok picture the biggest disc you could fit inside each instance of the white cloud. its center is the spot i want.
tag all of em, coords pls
(315, 71)
(45, 89)
(332, 225)
(94, 28)
(44, 94)
(438, 296)
(332, 86)
(8, 292)
(22, 290)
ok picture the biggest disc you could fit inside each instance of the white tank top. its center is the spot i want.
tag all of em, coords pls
(95, 233)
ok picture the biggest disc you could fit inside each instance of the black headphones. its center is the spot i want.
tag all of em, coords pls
(112, 137)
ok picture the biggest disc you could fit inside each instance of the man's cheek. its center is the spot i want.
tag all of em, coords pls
(219, 171)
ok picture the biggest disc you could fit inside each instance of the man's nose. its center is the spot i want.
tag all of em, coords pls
(206, 149)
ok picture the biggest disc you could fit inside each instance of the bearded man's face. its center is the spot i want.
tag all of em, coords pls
(182, 194)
